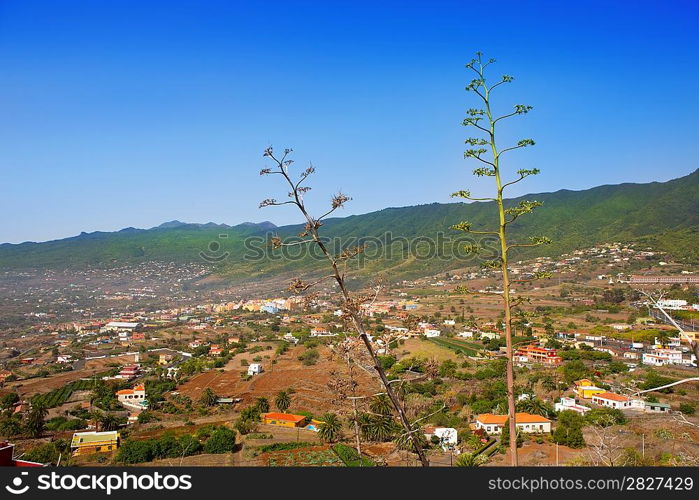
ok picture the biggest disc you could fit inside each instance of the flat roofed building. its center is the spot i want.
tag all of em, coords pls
(283, 419)
(85, 443)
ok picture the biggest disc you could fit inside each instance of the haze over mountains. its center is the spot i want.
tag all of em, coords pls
(664, 216)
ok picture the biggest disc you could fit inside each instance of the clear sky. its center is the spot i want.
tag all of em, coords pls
(132, 113)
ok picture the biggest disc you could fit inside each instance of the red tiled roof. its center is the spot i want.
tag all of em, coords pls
(521, 418)
(612, 397)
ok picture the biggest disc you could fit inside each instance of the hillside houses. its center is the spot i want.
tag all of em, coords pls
(528, 423)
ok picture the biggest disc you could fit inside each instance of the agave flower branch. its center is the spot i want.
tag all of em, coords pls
(352, 306)
(486, 151)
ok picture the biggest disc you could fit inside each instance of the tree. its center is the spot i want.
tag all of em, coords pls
(534, 406)
(9, 400)
(208, 397)
(109, 422)
(262, 405)
(10, 425)
(352, 305)
(687, 408)
(222, 440)
(282, 401)
(330, 429)
(574, 370)
(491, 167)
(35, 423)
(568, 430)
(380, 404)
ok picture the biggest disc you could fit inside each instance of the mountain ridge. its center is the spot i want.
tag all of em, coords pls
(664, 214)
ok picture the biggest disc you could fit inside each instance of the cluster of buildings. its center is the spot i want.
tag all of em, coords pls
(585, 389)
(655, 354)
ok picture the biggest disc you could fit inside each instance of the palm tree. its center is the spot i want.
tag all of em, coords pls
(381, 404)
(379, 427)
(330, 429)
(548, 383)
(109, 422)
(35, 420)
(208, 397)
(470, 460)
(282, 401)
(534, 406)
(262, 404)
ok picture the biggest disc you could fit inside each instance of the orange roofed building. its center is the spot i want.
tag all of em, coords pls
(611, 400)
(536, 354)
(134, 399)
(283, 419)
(526, 422)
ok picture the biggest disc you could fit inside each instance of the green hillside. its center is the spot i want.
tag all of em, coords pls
(662, 215)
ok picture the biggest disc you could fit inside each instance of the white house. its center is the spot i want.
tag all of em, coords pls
(490, 335)
(290, 338)
(255, 369)
(672, 304)
(570, 404)
(449, 322)
(493, 424)
(120, 326)
(466, 335)
(430, 332)
(447, 436)
(611, 400)
(637, 404)
(133, 398)
(661, 357)
(673, 355)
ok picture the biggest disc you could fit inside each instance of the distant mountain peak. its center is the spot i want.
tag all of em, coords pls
(171, 224)
(260, 225)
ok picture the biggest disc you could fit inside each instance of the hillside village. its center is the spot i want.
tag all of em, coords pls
(260, 378)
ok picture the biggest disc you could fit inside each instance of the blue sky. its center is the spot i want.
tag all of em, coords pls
(132, 113)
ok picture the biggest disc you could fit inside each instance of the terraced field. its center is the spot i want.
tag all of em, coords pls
(467, 348)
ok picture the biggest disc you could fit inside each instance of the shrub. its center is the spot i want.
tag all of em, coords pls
(221, 441)
(687, 408)
(284, 446)
(134, 452)
(47, 453)
(309, 358)
(350, 457)
(605, 417)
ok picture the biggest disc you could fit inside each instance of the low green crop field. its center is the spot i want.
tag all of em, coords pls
(467, 348)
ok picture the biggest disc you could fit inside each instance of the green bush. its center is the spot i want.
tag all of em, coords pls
(221, 441)
(687, 408)
(605, 417)
(350, 457)
(284, 446)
